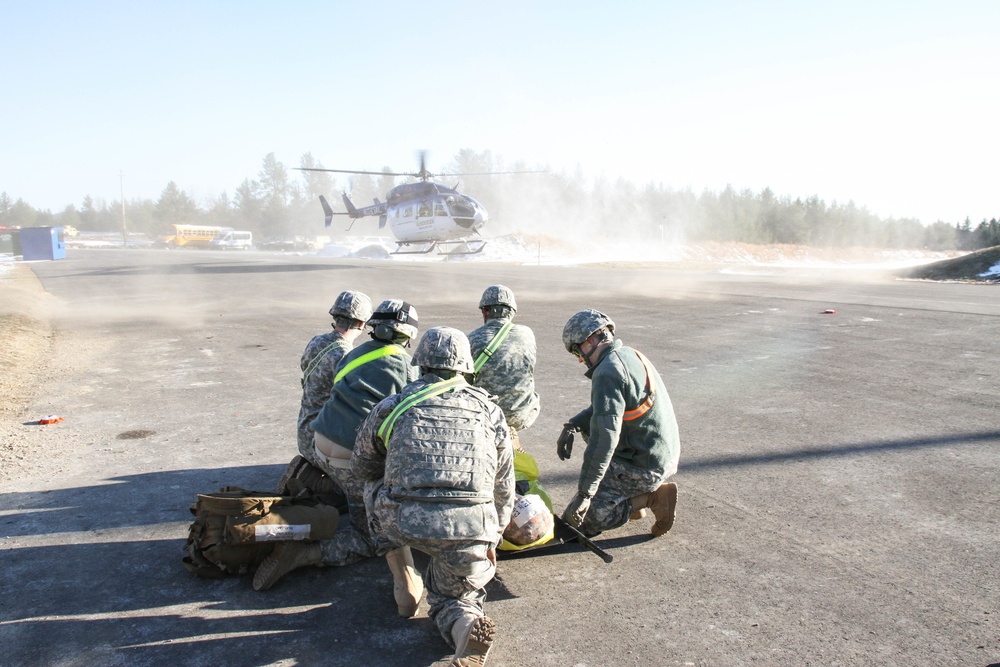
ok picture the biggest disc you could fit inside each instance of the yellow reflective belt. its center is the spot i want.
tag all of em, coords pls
(319, 357)
(383, 351)
(385, 430)
(494, 343)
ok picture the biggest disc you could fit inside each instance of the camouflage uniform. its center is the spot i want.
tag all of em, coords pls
(509, 373)
(351, 400)
(454, 513)
(624, 458)
(319, 365)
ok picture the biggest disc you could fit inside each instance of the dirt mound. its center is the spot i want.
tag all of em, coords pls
(973, 267)
(27, 341)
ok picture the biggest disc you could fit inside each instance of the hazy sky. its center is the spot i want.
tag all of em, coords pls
(895, 105)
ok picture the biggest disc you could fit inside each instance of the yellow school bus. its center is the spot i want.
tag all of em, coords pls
(194, 236)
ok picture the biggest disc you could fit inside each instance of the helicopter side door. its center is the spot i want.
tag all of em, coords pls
(425, 213)
(414, 221)
(403, 221)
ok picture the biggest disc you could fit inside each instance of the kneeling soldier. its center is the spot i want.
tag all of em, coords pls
(438, 465)
(365, 375)
(632, 441)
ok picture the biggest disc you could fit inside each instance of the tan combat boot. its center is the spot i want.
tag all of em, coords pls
(473, 637)
(663, 502)
(407, 584)
(286, 557)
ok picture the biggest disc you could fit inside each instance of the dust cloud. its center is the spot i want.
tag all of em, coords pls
(555, 219)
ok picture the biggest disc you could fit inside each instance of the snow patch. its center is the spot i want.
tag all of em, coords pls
(992, 271)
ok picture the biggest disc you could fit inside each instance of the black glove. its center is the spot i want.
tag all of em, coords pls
(564, 445)
(576, 511)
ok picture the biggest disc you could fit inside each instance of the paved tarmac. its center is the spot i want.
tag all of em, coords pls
(838, 479)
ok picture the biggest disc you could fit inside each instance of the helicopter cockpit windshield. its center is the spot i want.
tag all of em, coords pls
(459, 207)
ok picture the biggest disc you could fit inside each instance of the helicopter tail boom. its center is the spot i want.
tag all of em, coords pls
(378, 208)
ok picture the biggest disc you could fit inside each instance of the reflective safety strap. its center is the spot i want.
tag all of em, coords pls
(650, 388)
(319, 357)
(385, 430)
(378, 353)
(492, 346)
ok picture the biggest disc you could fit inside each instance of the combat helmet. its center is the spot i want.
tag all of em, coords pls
(582, 326)
(444, 348)
(392, 318)
(498, 295)
(352, 305)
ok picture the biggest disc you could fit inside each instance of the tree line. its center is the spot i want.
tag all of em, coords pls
(542, 202)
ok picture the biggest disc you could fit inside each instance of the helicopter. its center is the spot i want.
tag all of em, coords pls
(424, 216)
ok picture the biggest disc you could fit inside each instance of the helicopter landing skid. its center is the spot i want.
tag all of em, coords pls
(463, 247)
(422, 249)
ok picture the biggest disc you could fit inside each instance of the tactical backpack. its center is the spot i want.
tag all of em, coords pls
(234, 530)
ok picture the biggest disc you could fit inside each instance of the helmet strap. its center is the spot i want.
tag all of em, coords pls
(597, 339)
(578, 350)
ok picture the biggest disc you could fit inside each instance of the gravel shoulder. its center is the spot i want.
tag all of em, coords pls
(28, 342)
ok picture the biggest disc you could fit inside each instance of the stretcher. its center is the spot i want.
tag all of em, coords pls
(526, 474)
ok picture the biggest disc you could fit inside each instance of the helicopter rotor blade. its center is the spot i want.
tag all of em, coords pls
(492, 173)
(356, 171)
(423, 174)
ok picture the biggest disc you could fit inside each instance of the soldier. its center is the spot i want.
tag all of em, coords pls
(504, 355)
(438, 464)
(632, 441)
(319, 361)
(365, 375)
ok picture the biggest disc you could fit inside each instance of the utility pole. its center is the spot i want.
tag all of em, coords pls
(121, 176)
